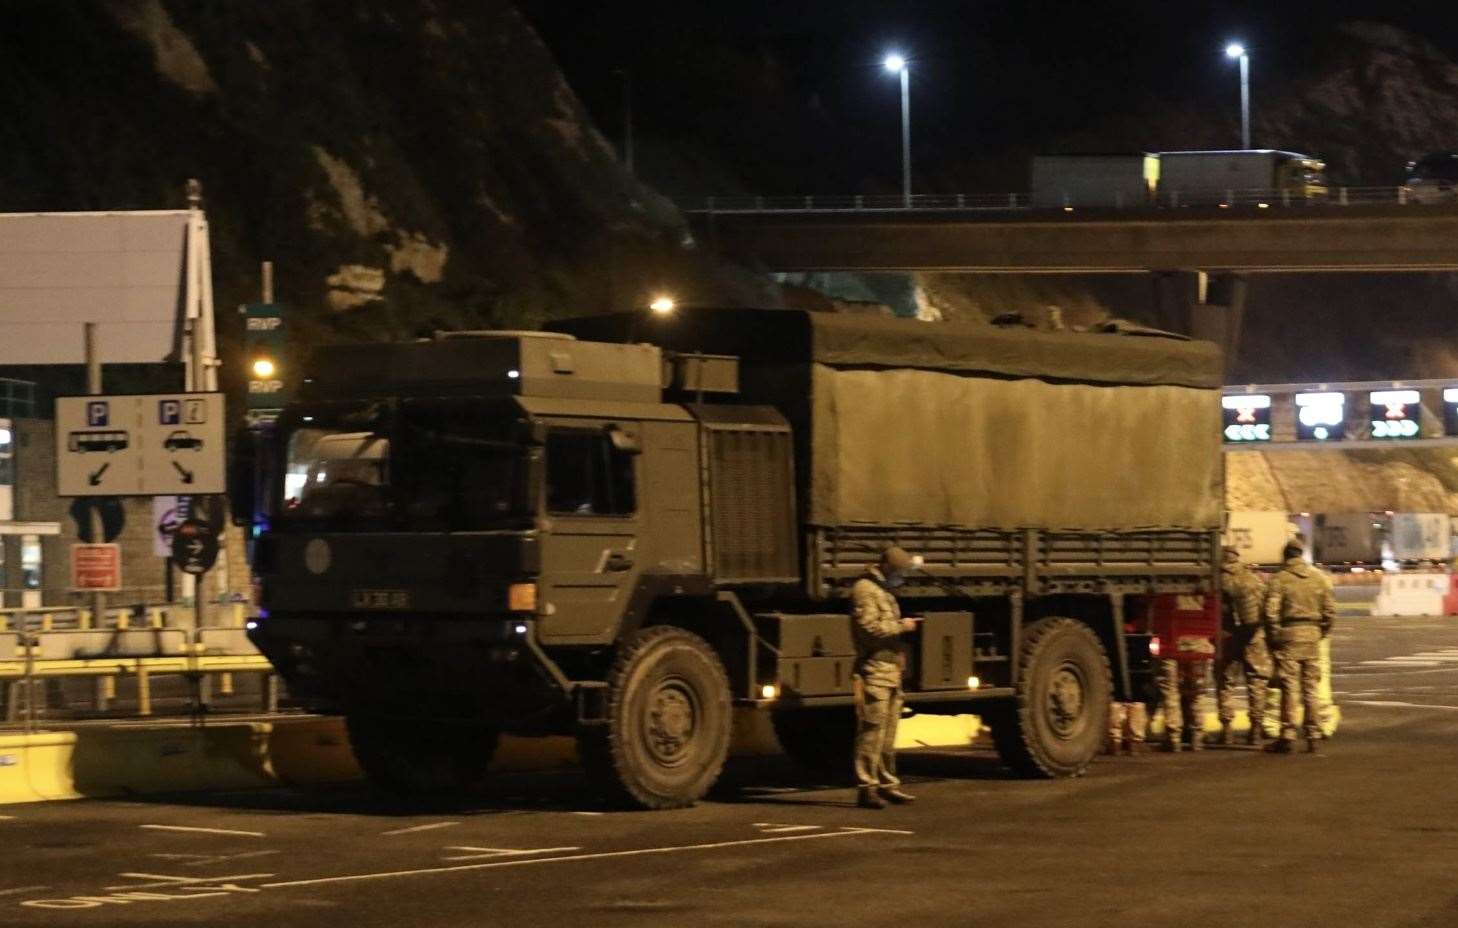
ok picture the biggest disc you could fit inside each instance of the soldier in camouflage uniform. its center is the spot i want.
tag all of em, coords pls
(1180, 686)
(880, 658)
(1300, 609)
(1244, 648)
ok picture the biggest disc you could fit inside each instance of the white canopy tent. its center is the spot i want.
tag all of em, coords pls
(145, 277)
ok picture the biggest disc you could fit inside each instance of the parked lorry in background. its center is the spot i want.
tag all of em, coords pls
(1176, 178)
(1119, 181)
(1420, 537)
(1349, 539)
(625, 529)
(1238, 177)
(1259, 536)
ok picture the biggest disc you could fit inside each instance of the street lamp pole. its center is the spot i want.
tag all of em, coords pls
(1236, 50)
(898, 64)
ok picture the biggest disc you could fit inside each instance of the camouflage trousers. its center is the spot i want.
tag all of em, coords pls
(877, 712)
(1245, 653)
(1128, 722)
(1180, 684)
(1297, 658)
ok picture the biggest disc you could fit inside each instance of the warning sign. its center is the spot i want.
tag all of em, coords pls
(96, 567)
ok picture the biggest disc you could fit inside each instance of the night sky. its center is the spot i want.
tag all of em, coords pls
(989, 79)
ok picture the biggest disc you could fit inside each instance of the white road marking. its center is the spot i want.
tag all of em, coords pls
(1398, 705)
(22, 889)
(479, 853)
(210, 831)
(588, 813)
(162, 879)
(773, 829)
(430, 827)
(202, 860)
(604, 855)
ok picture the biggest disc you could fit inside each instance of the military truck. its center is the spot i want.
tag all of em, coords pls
(626, 528)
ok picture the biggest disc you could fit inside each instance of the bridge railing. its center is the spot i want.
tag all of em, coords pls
(1330, 197)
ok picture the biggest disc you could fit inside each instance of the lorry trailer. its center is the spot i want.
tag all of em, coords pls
(626, 528)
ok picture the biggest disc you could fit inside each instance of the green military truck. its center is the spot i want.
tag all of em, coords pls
(626, 528)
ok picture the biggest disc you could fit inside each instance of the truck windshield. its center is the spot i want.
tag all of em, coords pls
(412, 465)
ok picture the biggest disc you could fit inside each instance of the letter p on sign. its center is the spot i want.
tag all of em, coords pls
(169, 412)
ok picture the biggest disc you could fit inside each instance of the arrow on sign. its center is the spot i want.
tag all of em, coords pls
(195, 548)
(186, 474)
(95, 478)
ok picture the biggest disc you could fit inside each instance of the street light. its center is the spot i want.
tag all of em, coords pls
(1236, 50)
(662, 305)
(263, 367)
(897, 64)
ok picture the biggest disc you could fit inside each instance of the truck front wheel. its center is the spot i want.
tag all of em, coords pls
(417, 758)
(1057, 722)
(668, 722)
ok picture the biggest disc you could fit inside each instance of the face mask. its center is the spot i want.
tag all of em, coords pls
(894, 579)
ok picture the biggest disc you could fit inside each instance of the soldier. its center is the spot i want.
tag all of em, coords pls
(879, 660)
(1180, 683)
(1244, 648)
(1300, 609)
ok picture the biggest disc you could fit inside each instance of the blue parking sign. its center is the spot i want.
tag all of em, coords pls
(169, 412)
(96, 414)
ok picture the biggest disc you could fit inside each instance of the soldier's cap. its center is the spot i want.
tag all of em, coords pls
(1292, 549)
(897, 559)
(1231, 552)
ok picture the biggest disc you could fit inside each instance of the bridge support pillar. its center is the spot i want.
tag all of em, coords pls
(1208, 307)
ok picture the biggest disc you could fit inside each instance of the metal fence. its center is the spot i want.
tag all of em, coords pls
(1004, 202)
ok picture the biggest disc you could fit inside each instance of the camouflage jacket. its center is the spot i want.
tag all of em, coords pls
(1300, 594)
(1241, 592)
(877, 629)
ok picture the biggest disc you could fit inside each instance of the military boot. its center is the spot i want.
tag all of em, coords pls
(1256, 735)
(1197, 738)
(1311, 745)
(897, 795)
(1227, 734)
(867, 799)
(1280, 746)
(1170, 744)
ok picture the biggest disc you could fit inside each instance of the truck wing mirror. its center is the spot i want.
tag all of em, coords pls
(243, 460)
(624, 442)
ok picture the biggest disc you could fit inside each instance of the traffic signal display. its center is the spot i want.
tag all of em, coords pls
(1321, 416)
(1396, 414)
(263, 355)
(1247, 417)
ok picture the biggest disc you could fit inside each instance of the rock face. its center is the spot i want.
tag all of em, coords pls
(407, 166)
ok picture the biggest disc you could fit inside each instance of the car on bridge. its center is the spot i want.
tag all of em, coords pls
(1433, 178)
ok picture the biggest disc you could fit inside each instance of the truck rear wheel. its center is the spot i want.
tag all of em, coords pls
(668, 725)
(1058, 720)
(415, 758)
(820, 740)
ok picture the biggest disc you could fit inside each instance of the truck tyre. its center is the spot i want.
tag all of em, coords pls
(668, 722)
(820, 740)
(1057, 721)
(412, 758)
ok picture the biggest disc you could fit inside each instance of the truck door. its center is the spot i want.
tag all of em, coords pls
(590, 552)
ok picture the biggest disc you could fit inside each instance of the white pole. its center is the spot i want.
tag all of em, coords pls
(1245, 101)
(906, 135)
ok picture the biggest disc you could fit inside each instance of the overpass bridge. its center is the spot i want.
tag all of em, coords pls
(1353, 229)
(1198, 254)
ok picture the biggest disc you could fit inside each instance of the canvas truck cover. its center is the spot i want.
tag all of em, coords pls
(971, 426)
